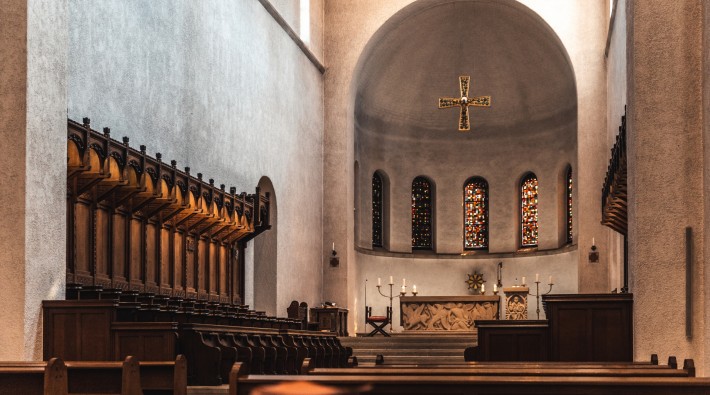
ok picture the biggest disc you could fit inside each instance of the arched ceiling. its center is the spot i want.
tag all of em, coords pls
(510, 53)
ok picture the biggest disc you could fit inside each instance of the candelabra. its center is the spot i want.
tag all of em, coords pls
(537, 295)
(391, 296)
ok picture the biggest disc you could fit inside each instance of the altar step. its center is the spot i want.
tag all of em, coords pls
(422, 349)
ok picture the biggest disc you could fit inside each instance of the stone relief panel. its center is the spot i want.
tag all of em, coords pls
(445, 316)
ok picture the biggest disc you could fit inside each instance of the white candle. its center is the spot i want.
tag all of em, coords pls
(495, 287)
(404, 282)
(483, 288)
(379, 281)
(537, 277)
(593, 241)
(391, 280)
(414, 288)
(404, 290)
(333, 246)
(523, 280)
(550, 279)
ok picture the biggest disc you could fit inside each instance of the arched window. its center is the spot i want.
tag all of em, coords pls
(569, 204)
(528, 211)
(475, 214)
(377, 204)
(421, 214)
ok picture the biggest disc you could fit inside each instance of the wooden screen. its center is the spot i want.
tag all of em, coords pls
(136, 223)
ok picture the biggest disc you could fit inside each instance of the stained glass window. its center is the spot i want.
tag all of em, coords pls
(475, 214)
(569, 204)
(377, 198)
(421, 214)
(528, 206)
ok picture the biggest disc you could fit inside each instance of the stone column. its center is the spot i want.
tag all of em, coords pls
(33, 105)
(665, 184)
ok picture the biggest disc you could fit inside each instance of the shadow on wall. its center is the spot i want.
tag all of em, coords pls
(265, 257)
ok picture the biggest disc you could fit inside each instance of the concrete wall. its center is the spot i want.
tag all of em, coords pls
(218, 86)
(582, 28)
(665, 151)
(33, 46)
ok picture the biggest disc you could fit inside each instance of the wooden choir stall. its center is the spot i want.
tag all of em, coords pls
(155, 268)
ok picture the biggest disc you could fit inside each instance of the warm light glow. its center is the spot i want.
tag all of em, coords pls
(305, 21)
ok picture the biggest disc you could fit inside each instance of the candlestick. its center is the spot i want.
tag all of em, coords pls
(379, 281)
(537, 295)
(537, 277)
(391, 280)
(390, 296)
(523, 280)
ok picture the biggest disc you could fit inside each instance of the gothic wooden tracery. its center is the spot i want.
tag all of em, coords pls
(137, 223)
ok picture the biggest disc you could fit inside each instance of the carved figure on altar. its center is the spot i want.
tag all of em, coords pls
(446, 313)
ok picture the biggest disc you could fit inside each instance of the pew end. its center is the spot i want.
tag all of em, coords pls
(307, 365)
(689, 366)
(239, 369)
(673, 362)
(55, 377)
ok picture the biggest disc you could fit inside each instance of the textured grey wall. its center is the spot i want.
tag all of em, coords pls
(665, 151)
(33, 46)
(220, 87)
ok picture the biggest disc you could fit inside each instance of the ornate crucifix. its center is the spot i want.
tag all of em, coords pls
(464, 101)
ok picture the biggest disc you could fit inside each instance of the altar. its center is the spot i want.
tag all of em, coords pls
(447, 313)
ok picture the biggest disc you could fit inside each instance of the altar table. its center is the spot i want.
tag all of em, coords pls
(447, 313)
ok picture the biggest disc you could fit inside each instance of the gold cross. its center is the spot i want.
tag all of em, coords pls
(464, 101)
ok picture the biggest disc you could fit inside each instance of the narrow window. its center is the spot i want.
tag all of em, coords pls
(528, 207)
(569, 205)
(421, 214)
(377, 200)
(475, 214)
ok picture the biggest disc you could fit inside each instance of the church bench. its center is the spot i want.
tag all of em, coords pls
(213, 349)
(514, 371)
(241, 384)
(150, 377)
(48, 378)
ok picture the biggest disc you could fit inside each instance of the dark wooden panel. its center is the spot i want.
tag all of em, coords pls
(512, 340)
(119, 248)
(78, 330)
(591, 327)
(148, 341)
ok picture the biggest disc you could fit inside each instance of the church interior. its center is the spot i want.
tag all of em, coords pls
(401, 196)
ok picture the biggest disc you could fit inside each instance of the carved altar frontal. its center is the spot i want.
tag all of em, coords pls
(446, 313)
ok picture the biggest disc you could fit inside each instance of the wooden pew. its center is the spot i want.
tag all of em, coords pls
(47, 379)
(127, 378)
(242, 384)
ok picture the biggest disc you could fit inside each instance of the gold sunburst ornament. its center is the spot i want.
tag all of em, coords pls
(464, 102)
(474, 281)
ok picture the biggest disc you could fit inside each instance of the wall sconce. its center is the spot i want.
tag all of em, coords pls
(334, 260)
(594, 254)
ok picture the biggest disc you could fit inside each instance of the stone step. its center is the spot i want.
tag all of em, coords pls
(411, 359)
(434, 351)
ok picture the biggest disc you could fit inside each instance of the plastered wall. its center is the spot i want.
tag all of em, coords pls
(220, 87)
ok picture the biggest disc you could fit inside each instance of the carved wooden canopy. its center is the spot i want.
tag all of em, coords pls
(614, 192)
(135, 222)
